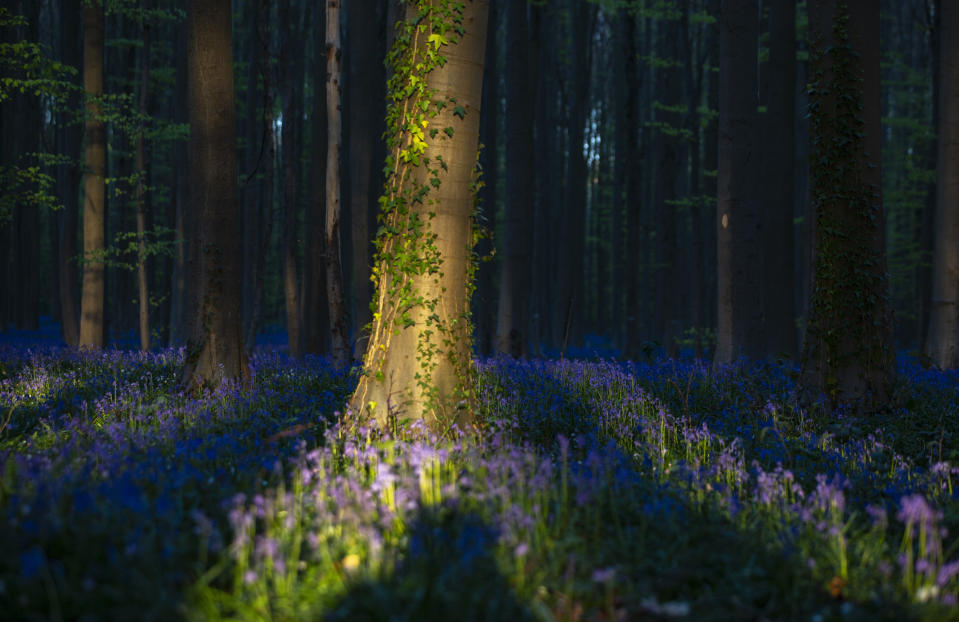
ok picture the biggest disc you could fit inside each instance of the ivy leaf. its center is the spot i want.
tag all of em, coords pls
(437, 40)
(459, 111)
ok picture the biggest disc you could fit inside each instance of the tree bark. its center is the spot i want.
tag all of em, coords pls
(215, 351)
(738, 219)
(288, 79)
(421, 368)
(365, 118)
(143, 197)
(316, 317)
(942, 345)
(339, 335)
(70, 136)
(95, 164)
(779, 161)
(847, 354)
(179, 312)
(512, 327)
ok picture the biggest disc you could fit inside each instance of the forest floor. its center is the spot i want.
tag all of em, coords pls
(598, 491)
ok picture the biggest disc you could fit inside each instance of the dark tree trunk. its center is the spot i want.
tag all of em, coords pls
(143, 196)
(215, 351)
(339, 337)
(178, 287)
(512, 329)
(847, 353)
(738, 217)
(943, 343)
(316, 317)
(779, 160)
(288, 79)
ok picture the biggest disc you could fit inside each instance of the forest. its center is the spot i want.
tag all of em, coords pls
(479, 310)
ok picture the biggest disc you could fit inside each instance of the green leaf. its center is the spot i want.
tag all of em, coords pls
(459, 111)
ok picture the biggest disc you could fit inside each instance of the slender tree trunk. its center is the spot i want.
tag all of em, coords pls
(316, 318)
(512, 328)
(847, 353)
(178, 286)
(365, 118)
(265, 218)
(779, 159)
(483, 298)
(254, 162)
(418, 363)
(631, 159)
(288, 78)
(70, 135)
(575, 225)
(215, 351)
(340, 345)
(738, 218)
(143, 197)
(943, 343)
(95, 164)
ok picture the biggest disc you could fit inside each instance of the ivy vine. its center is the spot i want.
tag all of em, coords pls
(406, 249)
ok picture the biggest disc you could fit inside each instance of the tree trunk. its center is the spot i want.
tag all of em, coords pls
(316, 316)
(264, 230)
(943, 343)
(738, 219)
(418, 363)
(512, 327)
(95, 165)
(215, 351)
(482, 301)
(339, 335)
(847, 353)
(179, 313)
(778, 231)
(365, 118)
(631, 161)
(143, 197)
(70, 135)
(288, 79)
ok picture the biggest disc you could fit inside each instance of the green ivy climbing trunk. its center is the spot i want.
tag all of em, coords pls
(418, 363)
(942, 346)
(94, 184)
(847, 354)
(215, 349)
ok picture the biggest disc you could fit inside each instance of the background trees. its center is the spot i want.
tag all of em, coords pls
(601, 133)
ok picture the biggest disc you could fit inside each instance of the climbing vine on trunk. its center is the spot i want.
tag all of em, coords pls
(418, 362)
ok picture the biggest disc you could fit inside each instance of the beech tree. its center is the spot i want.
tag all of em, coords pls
(215, 349)
(942, 346)
(92, 293)
(738, 219)
(418, 362)
(512, 325)
(847, 353)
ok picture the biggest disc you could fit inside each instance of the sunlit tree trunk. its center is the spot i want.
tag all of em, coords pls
(94, 194)
(738, 219)
(847, 352)
(512, 327)
(215, 351)
(339, 335)
(942, 346)
(398, 379)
